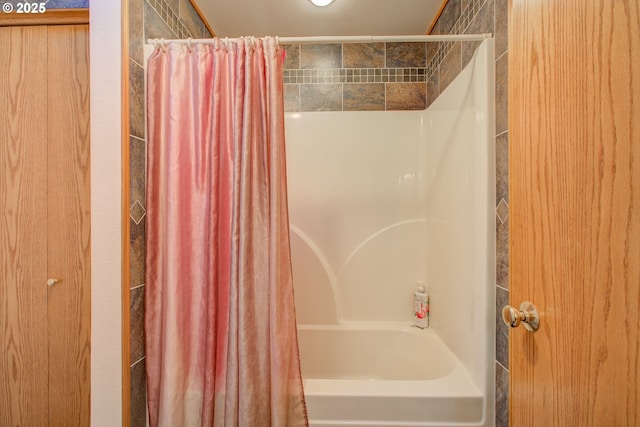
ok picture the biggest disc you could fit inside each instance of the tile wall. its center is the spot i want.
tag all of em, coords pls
(484, 16)
(355, 76)
(388, 76)
(170, 19)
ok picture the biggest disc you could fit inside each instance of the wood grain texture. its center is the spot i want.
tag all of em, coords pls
(126, 227)
(574, 130)
(50, 17)
(44, 226)
(69, 226)
(23, 228)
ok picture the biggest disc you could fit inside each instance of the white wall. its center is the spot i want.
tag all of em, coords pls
(106, 214)
(357, 214)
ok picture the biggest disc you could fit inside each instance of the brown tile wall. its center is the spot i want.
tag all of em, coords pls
(148, 19)
(355, 77)
(446, 61)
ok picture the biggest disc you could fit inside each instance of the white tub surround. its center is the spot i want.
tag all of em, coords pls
(379, 201)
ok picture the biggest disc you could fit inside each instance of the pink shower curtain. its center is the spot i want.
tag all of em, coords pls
(220, 324)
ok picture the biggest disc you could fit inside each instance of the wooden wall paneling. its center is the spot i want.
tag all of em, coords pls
(126, 228)
(23, 227)
(50, 17)
(69, 225)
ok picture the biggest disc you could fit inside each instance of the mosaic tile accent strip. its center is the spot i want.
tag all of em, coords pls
(459, 27)
(356, 75)
(170, 17)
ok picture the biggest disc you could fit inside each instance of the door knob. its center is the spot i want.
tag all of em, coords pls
(527, 315)
(51, 282)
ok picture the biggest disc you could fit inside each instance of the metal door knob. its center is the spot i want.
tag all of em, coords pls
(51, 282)
(527, 315)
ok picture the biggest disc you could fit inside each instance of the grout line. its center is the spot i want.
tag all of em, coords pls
(134, 364)
(136, 137)
(384, 55)
(503, 54)
(502, 133)
(341, 97)
(136, 287)
(502, 287)
(502, 366)
(136, 62)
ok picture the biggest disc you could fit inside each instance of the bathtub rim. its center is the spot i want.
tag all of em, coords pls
(449, 391)
(457, 383)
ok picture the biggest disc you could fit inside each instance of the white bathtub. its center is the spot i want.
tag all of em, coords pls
(384, 375)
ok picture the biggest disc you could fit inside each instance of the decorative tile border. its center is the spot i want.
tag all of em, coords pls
(170, 18)
(459, 27)
(316, 79)
(355, 75)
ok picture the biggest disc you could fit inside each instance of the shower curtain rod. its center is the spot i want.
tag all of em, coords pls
(348, 39)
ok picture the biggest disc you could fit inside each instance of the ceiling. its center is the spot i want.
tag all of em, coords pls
(292, 18)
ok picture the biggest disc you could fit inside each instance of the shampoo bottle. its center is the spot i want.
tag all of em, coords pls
(421, 307)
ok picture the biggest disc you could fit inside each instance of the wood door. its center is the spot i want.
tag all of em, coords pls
(44, 226)
(23, 227)
(574, 124)
(69, 225)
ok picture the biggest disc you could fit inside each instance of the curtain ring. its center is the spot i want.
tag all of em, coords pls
(189, 45)
(163, 45)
